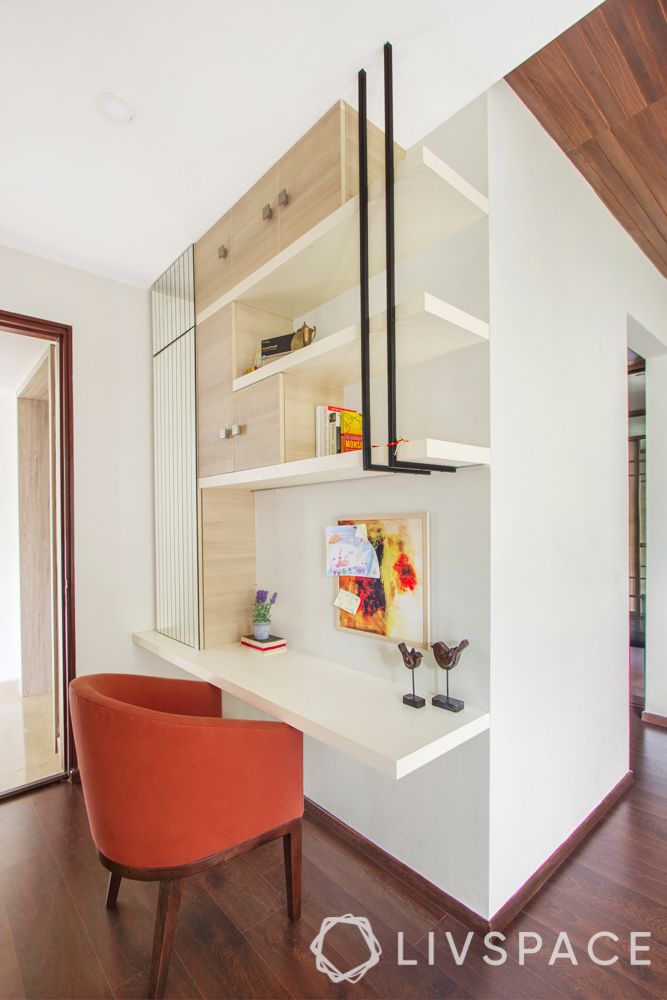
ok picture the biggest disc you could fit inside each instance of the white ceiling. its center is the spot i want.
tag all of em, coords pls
(18, 356)
(221, 90)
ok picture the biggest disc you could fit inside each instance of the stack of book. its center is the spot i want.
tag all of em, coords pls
(337, 430)
(270, 645)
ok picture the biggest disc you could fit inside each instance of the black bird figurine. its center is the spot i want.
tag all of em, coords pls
(412, 658)
(447, 657)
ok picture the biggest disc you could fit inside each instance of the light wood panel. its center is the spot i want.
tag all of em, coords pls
(214, 273)
(255, 239)
(251, 326)
(375, 146)
(600, 90)
(35, 527)
(36, 386)
(259, 413)
(312, 174)
(302, 395)
(215, 408)
(228, 565)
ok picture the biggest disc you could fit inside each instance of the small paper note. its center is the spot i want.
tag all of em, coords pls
(348, 554)
(347, 601)
(362, 532)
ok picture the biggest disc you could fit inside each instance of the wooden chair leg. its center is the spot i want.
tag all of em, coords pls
(112, 890)
(169, 899)
(292, 850)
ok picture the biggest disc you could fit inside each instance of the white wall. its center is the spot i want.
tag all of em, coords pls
(656, 529)
(435, 820)
(564, 276)
(112, 450)
(10, 582)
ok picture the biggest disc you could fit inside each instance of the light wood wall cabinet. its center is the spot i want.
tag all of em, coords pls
(275, 420)
(215, 406)
(314, 178)
(213, 270)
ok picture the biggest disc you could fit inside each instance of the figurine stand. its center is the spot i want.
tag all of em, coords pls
(444, 701)
(414, 700)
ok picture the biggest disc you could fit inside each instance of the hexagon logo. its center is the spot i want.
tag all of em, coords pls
(323, 964)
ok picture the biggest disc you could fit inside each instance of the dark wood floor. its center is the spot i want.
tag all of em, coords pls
(234, 940)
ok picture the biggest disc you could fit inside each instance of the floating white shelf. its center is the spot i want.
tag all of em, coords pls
(431, 202)
(335, 468)
(435, 452)
(426, 328)
(356, 713)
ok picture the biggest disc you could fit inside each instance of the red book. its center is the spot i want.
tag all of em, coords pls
(269, 645)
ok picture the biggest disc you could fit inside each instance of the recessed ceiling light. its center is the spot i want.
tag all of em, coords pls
(115, 109)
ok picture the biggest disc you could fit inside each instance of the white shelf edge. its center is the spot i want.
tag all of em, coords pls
(416, 157)
(421, 302)
(338, 468)
(328, 468)
(318, 349)
(445, 453)
(282, 257)
(385, 735)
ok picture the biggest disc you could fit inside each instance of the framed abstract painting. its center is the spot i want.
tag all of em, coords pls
(394, 606)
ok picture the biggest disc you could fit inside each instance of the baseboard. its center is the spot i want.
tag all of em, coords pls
(654, 720)
(509, 910)
(507, 913)
(396, 867)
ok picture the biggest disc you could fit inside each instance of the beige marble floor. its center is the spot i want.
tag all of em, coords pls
(26, 739)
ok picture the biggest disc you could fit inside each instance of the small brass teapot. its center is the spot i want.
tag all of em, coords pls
(304, 336)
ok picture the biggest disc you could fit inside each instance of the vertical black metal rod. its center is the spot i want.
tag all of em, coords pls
(363, 277)
(390, 250)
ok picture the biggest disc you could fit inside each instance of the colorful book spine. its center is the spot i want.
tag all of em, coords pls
(337, 430)
(350, 430)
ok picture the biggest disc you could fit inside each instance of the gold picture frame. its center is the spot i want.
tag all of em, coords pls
(395, 608)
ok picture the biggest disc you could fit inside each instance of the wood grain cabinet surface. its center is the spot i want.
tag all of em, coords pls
(311, 177)
(314, 178)
(215, 405)
(259, 416)
(213, 263)
(275, 419)
(255, 230)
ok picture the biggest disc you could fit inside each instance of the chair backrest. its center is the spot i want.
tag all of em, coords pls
(128, 730)
(167, 781)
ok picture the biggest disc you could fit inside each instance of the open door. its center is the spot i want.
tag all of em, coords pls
(38, 429)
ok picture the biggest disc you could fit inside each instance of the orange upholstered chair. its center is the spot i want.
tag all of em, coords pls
(172, 789)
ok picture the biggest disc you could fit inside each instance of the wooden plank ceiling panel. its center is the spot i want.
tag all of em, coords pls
(600, 90)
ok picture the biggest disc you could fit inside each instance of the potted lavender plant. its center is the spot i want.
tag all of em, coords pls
(261, 613)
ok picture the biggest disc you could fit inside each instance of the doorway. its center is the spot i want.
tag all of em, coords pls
(637, 524)
(36, 552)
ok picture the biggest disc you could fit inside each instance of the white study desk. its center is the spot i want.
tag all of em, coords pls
(357, 713)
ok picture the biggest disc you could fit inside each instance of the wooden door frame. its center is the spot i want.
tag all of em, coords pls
(61, 334)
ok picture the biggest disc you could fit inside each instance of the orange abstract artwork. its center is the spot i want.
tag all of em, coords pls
(395, 605)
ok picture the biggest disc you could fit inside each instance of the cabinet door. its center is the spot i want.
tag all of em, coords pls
(215, 410)
(311, 174)
(255, 236)
(213, 263)
(259, 417)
